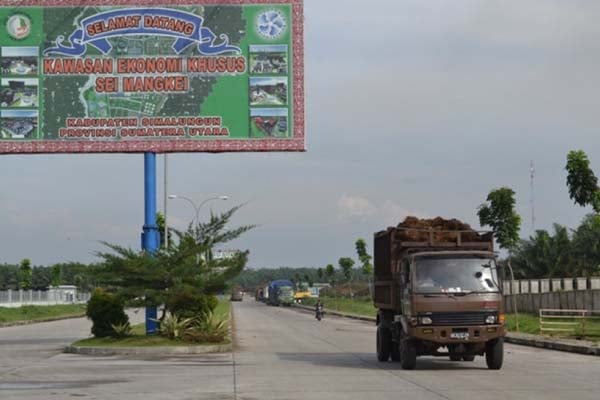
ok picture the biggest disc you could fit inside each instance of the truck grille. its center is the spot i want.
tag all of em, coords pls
(458, 318)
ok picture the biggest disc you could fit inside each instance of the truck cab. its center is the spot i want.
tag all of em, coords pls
(439, 298)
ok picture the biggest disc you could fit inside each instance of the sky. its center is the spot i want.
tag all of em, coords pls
(412, 108)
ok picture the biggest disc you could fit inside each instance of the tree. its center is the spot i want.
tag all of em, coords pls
(581, 181)
(25, 274)
(320, 273)
(499, 213)
(56, 275)
(364, 257)
(330, 273)
(346, 265)
(544, 255)
(308, 280)
(146, 280)
(586, 246)
(160, 223)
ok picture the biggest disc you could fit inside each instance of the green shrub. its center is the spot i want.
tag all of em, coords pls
(174, 327)
(189, 303)
(105, 310)
(207, 329)
(122, 330)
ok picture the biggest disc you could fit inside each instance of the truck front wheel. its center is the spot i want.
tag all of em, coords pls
(494, 353)
(383, 344)
(408, 354)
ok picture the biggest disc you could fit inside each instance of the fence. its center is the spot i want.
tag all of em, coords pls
(526, 286)
(579, 323)
(563, 300)
(17, 298)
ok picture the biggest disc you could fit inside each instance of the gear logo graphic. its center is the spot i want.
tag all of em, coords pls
(271, 24)
(18, 26)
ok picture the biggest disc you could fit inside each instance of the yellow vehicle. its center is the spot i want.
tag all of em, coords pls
(300, 295)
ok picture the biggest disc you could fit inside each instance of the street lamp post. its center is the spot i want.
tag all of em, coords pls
(197, 207)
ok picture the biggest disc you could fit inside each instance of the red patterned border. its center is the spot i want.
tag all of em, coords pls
(180, 146)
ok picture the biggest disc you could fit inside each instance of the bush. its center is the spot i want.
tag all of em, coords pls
(174, 327)
(188, 303)
(207, 329)
(105, 310)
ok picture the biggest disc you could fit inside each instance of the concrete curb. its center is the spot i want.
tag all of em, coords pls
(38, 321)
(337, 313)
(155, 351)
(571, 346)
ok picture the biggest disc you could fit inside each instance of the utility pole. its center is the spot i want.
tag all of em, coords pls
(532, 200)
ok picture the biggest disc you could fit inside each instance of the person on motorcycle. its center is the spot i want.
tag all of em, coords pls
(318, 309)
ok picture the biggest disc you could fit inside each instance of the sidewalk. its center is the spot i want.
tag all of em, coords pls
(524, 339)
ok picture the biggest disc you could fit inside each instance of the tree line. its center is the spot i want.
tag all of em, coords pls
(561, 253)
(25, 276)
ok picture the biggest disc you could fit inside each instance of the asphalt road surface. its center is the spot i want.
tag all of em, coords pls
(280, 353)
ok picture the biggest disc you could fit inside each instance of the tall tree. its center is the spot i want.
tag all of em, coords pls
(581, 180)
(499, 213)
(320, 273)
(25, 274)
(346, 264)
(544, 255)
(365, 259)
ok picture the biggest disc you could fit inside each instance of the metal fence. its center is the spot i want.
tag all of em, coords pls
(579, 323)
(17, 298)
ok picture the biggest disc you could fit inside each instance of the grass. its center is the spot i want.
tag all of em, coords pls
(359, 306)
(139, 338)
(35, 313)
(528, 323)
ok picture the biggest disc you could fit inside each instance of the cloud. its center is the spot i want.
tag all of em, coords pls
(352, 207)
(393, 212)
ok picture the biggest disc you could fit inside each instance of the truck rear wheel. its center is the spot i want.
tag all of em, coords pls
(455, 357)
(383, 344)
(408, 354)
(494, 353)
(469, 358)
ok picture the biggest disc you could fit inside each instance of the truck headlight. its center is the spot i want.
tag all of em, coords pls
(490, 319)
(426, 321)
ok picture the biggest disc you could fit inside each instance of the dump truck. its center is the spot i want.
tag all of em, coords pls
(437, 293)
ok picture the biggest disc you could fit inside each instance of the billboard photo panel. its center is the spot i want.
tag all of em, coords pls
(151, 76)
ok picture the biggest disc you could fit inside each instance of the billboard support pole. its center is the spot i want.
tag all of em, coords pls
(150, 237)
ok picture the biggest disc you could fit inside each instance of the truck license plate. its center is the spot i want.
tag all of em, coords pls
(459, 335)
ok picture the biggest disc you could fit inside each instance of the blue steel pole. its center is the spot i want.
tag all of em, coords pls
(150, 237)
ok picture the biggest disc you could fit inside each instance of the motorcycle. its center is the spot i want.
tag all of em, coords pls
(319, 312)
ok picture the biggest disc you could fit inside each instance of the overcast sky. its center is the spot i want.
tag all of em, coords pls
(413, 107)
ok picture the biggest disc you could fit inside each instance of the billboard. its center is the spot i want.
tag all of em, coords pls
(151, 76)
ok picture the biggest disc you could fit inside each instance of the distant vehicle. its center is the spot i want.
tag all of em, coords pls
(281, 292)
(437, 293)
(237, 294)
(258, 294)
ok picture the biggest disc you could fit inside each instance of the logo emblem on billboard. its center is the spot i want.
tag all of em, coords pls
(18, 26)
(271, 24)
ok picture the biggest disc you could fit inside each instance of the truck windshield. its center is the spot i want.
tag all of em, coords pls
(455, 275)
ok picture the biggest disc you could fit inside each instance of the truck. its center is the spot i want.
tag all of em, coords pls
(437, 293)
(281, 292)
(237, 294)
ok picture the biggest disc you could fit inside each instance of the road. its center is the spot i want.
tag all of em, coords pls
(279, 353)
